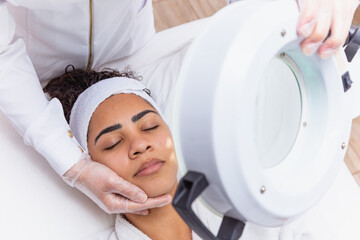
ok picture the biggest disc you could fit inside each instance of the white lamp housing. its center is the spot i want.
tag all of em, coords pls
(267, 125)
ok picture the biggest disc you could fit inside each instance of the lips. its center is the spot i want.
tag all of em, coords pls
(149, 167)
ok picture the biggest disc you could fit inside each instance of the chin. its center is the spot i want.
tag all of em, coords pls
(160, 187)
(160, 183)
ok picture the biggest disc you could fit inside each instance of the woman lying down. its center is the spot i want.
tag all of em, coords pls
(119, 125)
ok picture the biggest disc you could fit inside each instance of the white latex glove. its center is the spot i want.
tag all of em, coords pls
(109, 191)
(318, 17)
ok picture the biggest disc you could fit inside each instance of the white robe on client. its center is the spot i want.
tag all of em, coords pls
(124, 230)
(311, 226)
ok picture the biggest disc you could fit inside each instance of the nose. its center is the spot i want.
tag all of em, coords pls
(139, 145)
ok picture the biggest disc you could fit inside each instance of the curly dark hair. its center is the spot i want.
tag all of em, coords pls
(72, 83)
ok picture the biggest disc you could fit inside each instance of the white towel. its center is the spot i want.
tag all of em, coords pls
(90, 99)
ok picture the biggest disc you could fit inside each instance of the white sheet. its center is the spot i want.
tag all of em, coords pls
(341, 206)
(35, 203)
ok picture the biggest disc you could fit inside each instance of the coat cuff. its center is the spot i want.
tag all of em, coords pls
(51, 136)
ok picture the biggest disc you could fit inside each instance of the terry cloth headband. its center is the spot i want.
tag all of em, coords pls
(90, 99)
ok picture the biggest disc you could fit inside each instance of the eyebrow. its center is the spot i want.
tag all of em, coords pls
(107, 130)
(138, 116)
(117, 126)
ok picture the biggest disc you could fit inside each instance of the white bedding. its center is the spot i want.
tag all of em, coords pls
(35, 203)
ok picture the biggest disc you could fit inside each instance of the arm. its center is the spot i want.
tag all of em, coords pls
(43, 126)
(24, 103)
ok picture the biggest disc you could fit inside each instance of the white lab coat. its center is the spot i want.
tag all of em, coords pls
(48, 36)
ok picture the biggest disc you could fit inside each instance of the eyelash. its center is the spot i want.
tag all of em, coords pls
(152, 128)
(148, 129)
(111, 147)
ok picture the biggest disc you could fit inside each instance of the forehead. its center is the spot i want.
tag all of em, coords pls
(119, 106)
(124, 102)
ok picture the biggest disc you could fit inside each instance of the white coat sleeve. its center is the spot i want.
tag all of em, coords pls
(40, 122)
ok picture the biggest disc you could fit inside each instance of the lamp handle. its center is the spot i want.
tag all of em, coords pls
(190, 187)
(352, 43)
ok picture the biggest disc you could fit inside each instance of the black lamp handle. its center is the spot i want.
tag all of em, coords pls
(352, 43)
(190, 187)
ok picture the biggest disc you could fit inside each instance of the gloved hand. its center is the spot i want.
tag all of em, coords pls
(318, 17)
(109, 191)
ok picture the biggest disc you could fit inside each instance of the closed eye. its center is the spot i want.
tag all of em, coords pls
(112, 146)
(151, 128)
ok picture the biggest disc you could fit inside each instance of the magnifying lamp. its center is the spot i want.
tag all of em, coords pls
(260, 128)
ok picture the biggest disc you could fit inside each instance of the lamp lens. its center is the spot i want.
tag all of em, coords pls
(278, 113)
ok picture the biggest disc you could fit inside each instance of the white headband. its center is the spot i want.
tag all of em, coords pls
(90, 99)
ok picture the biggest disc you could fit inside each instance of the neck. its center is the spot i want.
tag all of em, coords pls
(162, 223)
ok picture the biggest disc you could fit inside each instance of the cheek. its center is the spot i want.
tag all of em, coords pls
(166, 146)
(169, 154)
(121, 167)
(117, 161)
(164, 141)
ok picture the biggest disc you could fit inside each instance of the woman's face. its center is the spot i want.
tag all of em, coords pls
(130, 137)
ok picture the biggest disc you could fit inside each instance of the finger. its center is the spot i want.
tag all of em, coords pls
(311, 44)
(143, 213)
(128, 190)
(150, 203)
(336, 39)
(307, 18)
(339, 30)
